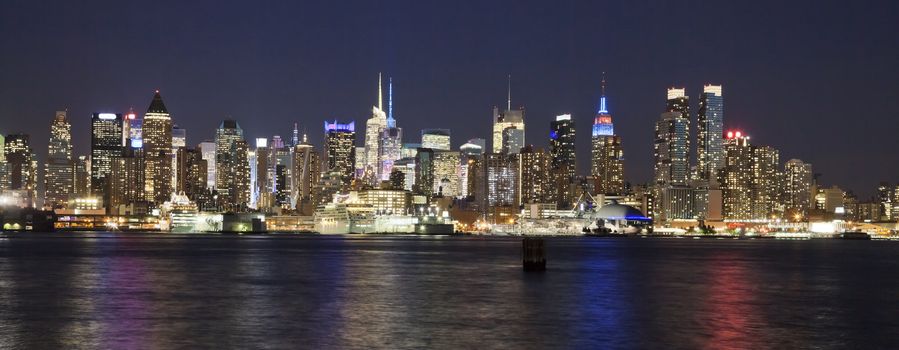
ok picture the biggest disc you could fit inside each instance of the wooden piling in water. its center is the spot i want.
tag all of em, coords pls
(533, 254)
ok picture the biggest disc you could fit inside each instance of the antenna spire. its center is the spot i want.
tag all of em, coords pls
(390, 98)
(509, 98)
(380, 98)
(602, 98)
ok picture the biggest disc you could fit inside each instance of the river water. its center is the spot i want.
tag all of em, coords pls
(124, 291)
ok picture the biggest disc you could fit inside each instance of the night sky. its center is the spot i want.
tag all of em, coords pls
(817, 80)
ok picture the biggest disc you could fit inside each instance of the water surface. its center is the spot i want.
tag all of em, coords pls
(167, 291)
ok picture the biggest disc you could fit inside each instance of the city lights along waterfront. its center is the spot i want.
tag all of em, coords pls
(143, 173)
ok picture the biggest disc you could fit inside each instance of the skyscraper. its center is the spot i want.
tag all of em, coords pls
(564, 165)
(446, 173)
(471, 154)
(340, 152)
(157, 145)
(4, 168)
(232, 166)
(497, 183)
(798, 187)
(59, 175)
(307, 170)
(82, 174)
(106, 144)
(672, 149)
(436, 139)
(208, 150)
(675, 197)
(179, 140)
(192, 173)
(607, 162)
(736, 178)
(749, 180)
(709, 132)
(391, 142)
(374, 128)
(766, 184)
(536, 171)
(424, 172)
(126, 180)
(22, 165)
(263, 182)
(508, 127)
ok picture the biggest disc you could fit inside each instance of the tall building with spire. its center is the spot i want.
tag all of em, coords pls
(157, 144)
(374, 127)
(710, 132)
(391, 141)
(58, 173)
(508, 127)
(607, 161)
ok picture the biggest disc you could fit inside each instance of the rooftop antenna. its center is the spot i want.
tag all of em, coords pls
(390, 98)
(380, 98)
(602, 98)
(509, 99)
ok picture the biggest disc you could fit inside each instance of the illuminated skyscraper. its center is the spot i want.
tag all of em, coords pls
(391, 142)
(4, 168)
(536, 171)
(497, 184)
(125, 182)
(374, 127)
(192, 172)
(157, 145)
(263, 184)
(750, 182)
(82, 174)
(736, 178)
(471, 154)
(106, 144)
(307, 170)
(709, 132)
(798, 187)
(766, 188)
(340, 152)
(678, 101)
(22, 165)
(436, 139)
(675, 198)
(607, 162)
(508, 127)
(446, 173)
(58, 175)
(232, 166)
(208, 150)
(179, 140)
(564, 164)
(672, 149)
(424, 172)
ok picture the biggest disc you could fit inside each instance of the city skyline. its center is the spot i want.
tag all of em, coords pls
(801, 80)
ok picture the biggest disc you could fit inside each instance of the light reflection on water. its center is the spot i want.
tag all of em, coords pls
(331, 292)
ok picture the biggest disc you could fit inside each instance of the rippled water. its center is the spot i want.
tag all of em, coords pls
(166, 291)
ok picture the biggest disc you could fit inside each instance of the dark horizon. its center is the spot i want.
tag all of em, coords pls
(815, 80)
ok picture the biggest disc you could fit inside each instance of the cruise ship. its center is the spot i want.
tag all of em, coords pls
(181, 213)
(341, 218)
